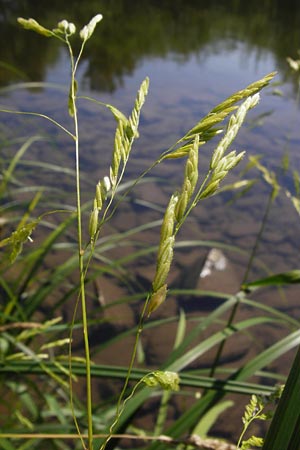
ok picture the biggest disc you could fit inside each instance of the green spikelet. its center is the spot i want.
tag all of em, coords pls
(164, 256)
(99, 198)
(93, 223)
(126, 132)
(233, 127)
(166, 380)
(167, 227)
(157, 298)
(32, 24)
(190, 180)
(251, 89)
(221, 111)
(133, 121)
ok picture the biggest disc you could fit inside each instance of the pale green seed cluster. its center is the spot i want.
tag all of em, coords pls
(256, 410)
(164, 256)
(250, 90)
(88, 29)
(221, 111)
(180, 203)
(66, 27)
(222, 168)
(205, 125)
(220, 163)
(233, 127)
(126, 132)
(174, 213)
(165, 251)
(102, 189)
(190, 180)
(32, 24)
(63, 28)
(167, 380)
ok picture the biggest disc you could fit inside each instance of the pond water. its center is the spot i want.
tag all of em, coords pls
(196, 54)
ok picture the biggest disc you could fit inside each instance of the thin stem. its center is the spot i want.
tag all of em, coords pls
(249, 265)
(258, 237)
(121, 406)
(162, 413)
(81, 251)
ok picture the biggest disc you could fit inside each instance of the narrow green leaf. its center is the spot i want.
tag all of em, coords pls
(210, 418)
(181, 329)
(6, 444)
(284, 431)
(207, 344)
(118, 372)
(291, 277)
(14, 161)
(270, 354)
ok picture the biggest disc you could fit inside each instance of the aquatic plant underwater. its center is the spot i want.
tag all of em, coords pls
(42, 376)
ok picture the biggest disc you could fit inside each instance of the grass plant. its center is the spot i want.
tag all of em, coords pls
(48, 407)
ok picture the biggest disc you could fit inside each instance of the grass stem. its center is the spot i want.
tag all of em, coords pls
(81, 252)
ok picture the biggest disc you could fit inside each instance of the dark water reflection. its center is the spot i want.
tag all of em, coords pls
(135, 31)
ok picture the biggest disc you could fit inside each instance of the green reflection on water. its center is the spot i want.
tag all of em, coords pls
(134, 31)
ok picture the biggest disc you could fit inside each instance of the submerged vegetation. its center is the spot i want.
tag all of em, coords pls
(42, 336)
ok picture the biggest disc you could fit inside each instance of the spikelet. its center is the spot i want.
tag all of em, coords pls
(99, 196)
(32, 24)
(133, 121)
(190, 180)
(157, 298)
(167, 380)
(210, 189)
(221, 164)
(126, 132)
(164, 260)
(93, 225)
(221, 111)
(121, 151)
(167, 227)
(227, 163)
(233, 127)
(88, 29)
(102, 188)
(164, 257)
(65, 27)
(250, 90)
(208, 122)
(179, 152)
(165, 250)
